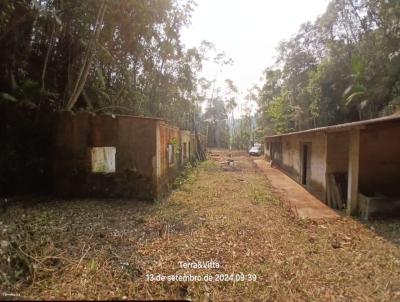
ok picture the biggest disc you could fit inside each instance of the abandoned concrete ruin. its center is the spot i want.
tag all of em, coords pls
(119, 156)
(353, 166)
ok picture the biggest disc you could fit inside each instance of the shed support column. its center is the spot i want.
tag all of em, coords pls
(354, 163)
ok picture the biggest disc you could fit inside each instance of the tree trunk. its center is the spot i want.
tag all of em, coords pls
(200, 153)
(46, 60)
(84, 71)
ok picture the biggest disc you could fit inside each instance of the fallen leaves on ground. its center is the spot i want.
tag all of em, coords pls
(107, 249)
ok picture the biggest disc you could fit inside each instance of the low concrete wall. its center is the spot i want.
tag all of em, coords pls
(370, 207)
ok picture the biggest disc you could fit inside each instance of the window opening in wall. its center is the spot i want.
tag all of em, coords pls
(171, 152)
(184, 151)
(103, 159)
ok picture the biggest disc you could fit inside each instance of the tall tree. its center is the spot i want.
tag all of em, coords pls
(343, 67)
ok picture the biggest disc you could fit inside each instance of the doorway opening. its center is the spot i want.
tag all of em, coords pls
(305, 163)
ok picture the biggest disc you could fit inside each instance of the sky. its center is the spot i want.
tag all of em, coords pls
(248, 31)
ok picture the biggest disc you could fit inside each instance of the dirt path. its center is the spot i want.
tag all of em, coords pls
(90, 249)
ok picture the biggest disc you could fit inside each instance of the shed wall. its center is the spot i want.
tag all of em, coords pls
(136, 157)
(167, 171)
(289, 159)
(135, 142)
(380, 160)
(338, 152)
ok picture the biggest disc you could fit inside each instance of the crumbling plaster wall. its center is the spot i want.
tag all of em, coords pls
(135, 142)
(136, 156)
(166, 171)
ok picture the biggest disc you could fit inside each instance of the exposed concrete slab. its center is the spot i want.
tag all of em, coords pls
(301, 202)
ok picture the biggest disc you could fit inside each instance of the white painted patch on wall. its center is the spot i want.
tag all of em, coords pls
(103, 159)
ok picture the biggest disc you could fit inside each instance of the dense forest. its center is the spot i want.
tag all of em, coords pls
(127, 57)
(105, 56)
(343, 67)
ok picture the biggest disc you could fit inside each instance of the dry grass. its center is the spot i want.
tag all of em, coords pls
(91, 249)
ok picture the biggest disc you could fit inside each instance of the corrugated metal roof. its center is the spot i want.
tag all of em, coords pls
(342, 126)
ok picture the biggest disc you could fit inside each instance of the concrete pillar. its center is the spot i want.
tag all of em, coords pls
(353, 172)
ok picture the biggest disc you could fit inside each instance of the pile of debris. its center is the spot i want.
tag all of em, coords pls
(227, 163)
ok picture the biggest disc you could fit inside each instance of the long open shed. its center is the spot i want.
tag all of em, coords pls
(354, 165)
